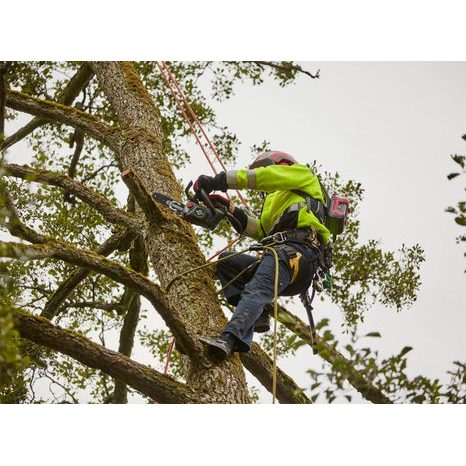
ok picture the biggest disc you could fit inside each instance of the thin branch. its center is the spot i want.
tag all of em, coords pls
(63, 387)
(334, 357)
(110, 213)
(286, 68)
(159, 387)
(138, 262)
(96, 172)
(71, 91)
(118, 307)
(3, 70)
(63, 114)
(78, 143)
(120, 240)
(15, 226)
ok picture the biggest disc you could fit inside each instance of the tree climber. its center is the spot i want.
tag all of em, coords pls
(292, 219)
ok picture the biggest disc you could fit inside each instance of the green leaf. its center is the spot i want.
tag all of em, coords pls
(373, 334)
(459, 159)
(322, 323)
(452, 175)
(461, 220)
(405, 350)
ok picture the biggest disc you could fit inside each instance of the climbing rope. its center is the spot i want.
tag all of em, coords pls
(275, 301)
(180, 98)
(275, 319)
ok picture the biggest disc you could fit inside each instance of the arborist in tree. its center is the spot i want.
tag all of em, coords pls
(292, 221)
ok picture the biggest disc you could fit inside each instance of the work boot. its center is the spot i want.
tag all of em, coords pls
(262, 324)
(220, 347)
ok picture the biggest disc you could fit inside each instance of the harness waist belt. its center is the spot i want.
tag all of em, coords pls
(298, 234)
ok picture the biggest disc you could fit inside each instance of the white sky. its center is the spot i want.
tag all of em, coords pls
(391, 126)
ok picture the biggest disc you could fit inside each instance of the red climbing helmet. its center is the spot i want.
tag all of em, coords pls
(273, 158)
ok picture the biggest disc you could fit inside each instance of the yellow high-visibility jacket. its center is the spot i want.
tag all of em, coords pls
(282, 208)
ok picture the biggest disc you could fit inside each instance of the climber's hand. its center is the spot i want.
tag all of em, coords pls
(211, 183)
(220, 201)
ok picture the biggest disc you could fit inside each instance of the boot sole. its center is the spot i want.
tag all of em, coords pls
(262, 328)
(217, 352)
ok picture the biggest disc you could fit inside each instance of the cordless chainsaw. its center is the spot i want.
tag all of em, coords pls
(199, 209)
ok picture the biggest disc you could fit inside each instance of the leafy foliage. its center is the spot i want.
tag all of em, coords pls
(460, 210)
(390, 375)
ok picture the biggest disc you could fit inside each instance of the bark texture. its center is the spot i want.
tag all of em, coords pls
(60, 113)
(260, 365)
(171, 244)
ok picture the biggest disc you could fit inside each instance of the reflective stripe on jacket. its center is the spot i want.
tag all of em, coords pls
(279, 181)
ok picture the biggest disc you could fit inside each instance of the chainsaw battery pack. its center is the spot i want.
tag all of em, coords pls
(337, 214)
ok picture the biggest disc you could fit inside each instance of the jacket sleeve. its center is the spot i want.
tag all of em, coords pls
(270, 178)
(250, 226)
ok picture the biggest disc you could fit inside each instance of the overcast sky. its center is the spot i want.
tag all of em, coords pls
(391, 126)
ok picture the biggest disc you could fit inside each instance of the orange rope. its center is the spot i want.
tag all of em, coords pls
(163, 67)
(177, 92)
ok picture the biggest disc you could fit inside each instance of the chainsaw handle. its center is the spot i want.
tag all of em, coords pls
(201, 196)
(187, 192)
(207, 201)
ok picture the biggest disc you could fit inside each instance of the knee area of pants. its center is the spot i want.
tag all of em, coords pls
(224, 254)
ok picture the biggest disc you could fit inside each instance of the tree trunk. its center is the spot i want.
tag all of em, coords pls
(171, 244)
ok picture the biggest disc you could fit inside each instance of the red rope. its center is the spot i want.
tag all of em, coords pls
(169, 355)
(196, 120)
(180, 106)
(163, 68)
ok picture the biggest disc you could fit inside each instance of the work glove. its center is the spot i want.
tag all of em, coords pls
(211, 183)
(219, 201)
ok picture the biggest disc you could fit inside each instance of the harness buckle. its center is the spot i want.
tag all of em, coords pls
(279, 237)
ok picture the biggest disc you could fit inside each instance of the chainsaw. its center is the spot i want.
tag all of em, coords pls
(199, 209)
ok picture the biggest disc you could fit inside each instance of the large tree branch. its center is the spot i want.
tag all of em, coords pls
(161, 388)
(119, 240)
(261, 366)
(63, 114)
(55, 249)
(110, 213)
(71, 91)
(334, 357)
